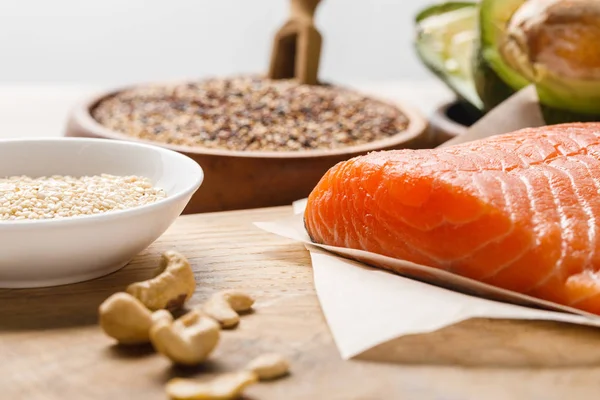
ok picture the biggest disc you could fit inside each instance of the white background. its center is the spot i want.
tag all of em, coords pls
(110, 42)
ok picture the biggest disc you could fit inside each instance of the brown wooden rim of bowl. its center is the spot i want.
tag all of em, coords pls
(417, 125)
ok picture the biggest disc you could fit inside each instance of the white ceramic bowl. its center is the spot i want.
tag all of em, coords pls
(39, 253)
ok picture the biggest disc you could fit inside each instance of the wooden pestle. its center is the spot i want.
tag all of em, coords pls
(297, 45)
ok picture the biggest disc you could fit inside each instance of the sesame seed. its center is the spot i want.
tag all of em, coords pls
(67, 196)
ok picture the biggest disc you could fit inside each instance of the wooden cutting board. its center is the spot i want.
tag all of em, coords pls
(52, 348)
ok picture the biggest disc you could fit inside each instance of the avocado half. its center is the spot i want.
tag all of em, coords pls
(552, 44)
(445, 42)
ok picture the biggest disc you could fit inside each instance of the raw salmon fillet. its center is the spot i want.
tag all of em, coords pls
(519, 211)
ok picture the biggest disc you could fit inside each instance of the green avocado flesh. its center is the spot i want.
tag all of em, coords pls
(563, 99)
(446, 34)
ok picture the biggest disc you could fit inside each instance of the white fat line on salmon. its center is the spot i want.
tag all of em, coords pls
(537, 215)
(592, 223)
(385, 218)
(510, 205)
(593, 275)
(579, 155)
(479, 179)
(544, 159)
(385, 223)
(564, 222)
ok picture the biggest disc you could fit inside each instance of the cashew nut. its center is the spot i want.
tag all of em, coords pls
(224, 307)
(124, 318)
(188, 340)
(269, 366)
(172, 286)
(225, 387)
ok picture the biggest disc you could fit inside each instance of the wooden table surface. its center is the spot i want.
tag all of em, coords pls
(52, 348)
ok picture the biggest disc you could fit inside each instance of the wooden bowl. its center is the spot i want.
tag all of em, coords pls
(451, 119)
(252, 179)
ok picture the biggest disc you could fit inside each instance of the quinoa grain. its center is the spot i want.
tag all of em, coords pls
(250, 113)
(26, 198)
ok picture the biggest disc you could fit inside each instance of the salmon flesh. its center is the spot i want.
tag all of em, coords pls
(520, 211)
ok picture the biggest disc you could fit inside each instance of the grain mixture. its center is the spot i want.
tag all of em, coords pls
(250, 113)
(26, 198)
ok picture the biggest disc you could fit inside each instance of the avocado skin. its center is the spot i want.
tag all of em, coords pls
(490, 87)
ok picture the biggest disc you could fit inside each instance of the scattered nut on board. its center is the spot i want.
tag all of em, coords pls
(224, 307)
(126, 319)
(140, 315)
(188, 340)
(224, 387)
(269, 366)
(172, 286)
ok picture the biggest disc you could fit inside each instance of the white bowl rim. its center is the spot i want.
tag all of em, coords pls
(110, 215)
